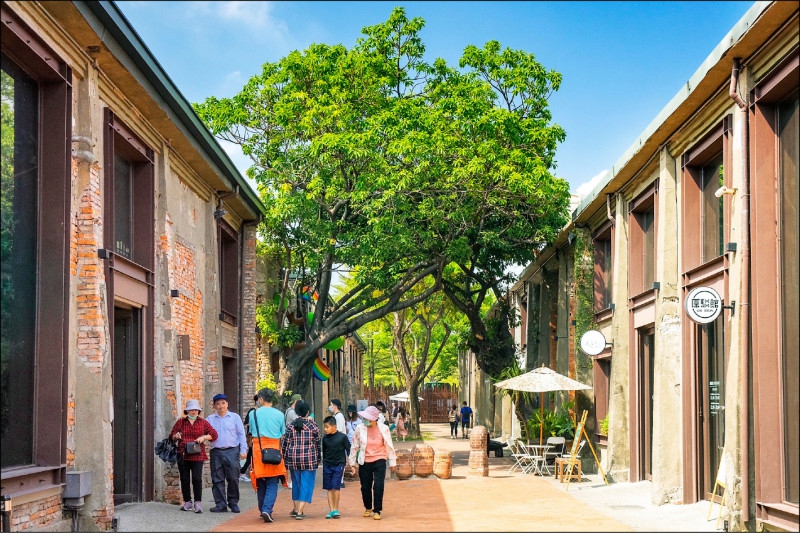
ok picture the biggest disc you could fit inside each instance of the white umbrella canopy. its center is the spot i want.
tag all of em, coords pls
(402, 397)
(541, 380)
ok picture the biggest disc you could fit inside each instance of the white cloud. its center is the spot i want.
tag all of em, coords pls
(255, 15)
(586, 188)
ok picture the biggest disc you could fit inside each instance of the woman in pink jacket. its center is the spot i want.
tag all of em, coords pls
(372, 448)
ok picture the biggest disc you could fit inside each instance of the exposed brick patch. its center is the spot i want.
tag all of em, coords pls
(37, 514)
(187, 318)
(102, 518)
(70, 430)
(88, 269)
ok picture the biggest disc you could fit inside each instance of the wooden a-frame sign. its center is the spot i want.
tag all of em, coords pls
(580, 432)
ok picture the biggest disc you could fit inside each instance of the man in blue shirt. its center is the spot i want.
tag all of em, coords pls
(226, 451)
(466, 414)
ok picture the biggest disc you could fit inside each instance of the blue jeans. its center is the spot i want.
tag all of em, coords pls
(267, 493)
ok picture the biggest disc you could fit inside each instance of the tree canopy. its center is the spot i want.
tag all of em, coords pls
(373, 160)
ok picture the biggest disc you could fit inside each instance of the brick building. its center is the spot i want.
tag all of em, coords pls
(697, 389)
(128, 265)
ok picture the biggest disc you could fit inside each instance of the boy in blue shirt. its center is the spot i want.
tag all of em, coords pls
(335, 450)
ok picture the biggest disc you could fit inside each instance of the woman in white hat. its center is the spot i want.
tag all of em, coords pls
(192, 430)
(372, 448)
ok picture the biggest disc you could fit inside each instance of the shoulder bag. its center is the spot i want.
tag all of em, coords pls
(269, 456)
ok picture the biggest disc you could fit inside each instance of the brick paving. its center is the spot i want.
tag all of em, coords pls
(502, 501)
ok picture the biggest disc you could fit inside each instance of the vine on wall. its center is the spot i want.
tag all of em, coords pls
(584, 289)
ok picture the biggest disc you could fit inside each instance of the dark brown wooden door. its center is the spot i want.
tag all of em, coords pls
(127, 402)
(646, 347)
(711, 402)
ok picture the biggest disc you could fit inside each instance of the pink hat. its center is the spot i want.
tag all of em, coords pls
(370, 413)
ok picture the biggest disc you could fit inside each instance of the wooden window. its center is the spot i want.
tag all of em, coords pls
(642, 243)
(704, 170)
(228, 242)
(603, 263)
(36, 132)
(129, 206)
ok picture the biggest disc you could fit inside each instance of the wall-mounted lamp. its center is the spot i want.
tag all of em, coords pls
(219, 213)
(657, 285)
(174, 293)
(570, 237)
(725, 190)
(730, 247)
(103, 253)
(612, 306)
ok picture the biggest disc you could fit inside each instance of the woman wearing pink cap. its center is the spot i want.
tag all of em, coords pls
(372, 447)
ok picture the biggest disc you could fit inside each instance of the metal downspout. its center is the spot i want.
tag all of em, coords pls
(744, 434)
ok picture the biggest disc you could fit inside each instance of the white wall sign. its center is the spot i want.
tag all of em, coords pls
(593, 342)
(703, 305)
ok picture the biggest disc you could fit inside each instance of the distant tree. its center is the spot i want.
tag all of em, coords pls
(373, 160)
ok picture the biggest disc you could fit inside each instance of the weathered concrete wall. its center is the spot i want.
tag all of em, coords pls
(617, 329)
(666, 441)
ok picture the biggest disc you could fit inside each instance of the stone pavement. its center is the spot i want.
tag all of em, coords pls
(502, 501)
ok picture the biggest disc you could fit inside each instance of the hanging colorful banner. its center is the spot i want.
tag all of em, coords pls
(321, 370)
(308, 294)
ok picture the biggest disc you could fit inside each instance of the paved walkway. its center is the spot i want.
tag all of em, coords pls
(502, 501)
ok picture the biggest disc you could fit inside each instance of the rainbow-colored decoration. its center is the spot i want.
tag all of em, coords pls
(307, 294)
(321, 370)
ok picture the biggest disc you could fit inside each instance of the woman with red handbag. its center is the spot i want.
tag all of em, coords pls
(192, 432)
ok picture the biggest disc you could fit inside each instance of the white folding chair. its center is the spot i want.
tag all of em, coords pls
(520, 456)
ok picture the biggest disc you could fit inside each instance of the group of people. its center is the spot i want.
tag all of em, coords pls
(361, 440)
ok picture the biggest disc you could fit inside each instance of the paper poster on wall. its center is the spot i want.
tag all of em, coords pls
(361, 404)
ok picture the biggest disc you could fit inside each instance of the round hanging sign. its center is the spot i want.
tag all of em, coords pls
(593, 342)
(703, 305)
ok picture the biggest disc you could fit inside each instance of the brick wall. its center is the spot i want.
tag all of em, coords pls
(37, 514)
(88, 268)
(247, 324)
(187, 319)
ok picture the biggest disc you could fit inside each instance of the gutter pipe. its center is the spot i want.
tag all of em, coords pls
(744, 434)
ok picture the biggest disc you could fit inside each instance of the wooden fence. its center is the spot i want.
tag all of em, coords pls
(436, 400)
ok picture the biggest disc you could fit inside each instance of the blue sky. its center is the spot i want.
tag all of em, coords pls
(621, 61)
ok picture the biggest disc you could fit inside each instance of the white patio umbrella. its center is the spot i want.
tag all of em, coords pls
(541, 380)
(402, 397)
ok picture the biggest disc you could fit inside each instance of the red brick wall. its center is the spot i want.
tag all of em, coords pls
(36, 514)
(187, 319)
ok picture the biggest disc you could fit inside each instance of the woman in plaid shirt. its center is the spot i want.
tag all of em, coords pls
(192, 428)
(302, 451)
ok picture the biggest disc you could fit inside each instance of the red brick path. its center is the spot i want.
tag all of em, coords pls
(499, 502)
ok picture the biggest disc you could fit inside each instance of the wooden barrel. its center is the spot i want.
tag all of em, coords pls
(442, 464)
(423, 460)
(405, 464)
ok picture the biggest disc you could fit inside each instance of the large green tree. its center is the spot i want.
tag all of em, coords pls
(374, 160)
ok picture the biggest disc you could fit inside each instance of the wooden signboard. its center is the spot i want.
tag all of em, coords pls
(580, 433)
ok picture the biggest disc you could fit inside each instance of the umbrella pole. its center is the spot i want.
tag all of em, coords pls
(541, 416)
